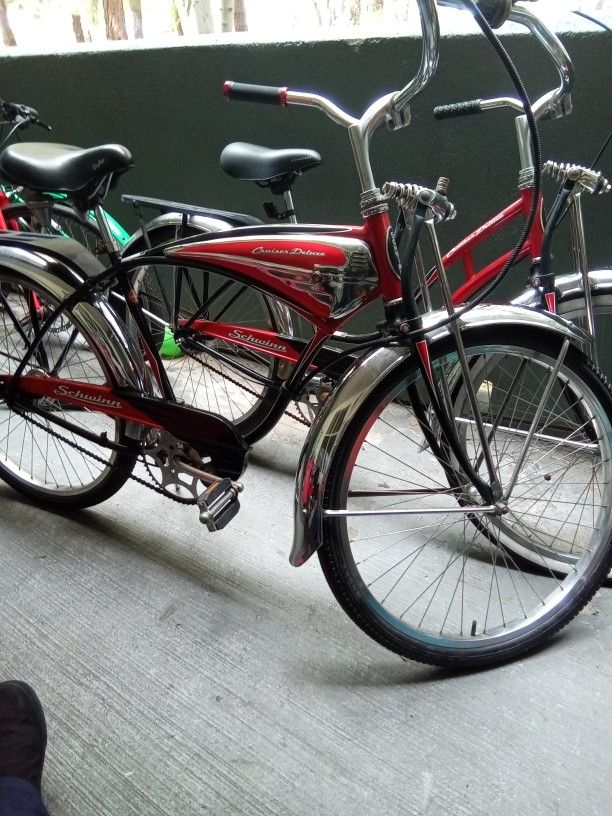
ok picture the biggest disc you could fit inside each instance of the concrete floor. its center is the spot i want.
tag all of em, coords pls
(189, 673)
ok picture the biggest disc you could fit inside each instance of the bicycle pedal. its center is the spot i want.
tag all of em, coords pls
(219, 504)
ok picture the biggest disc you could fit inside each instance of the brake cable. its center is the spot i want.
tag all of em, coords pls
(537, 171)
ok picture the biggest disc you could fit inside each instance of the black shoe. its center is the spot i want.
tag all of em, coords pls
(23, 732)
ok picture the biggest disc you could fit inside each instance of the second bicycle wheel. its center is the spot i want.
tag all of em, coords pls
(215, 374)
(48, 463)
(572, 307)
(424, 576)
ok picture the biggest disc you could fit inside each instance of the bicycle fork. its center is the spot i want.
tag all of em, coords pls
(424, 207)
(443, 407)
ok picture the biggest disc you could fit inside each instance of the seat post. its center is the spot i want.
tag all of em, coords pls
(110, 244)
(288, 199)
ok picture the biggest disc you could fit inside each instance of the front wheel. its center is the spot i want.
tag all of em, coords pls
(436, 582)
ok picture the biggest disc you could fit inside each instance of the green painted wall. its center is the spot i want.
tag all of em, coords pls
(166, 105)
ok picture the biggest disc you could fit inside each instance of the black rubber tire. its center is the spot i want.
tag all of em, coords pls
(355, 596)
(100, 482)
(219, 376)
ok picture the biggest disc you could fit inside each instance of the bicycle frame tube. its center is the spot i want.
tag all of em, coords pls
(204, 430)
(117, 231)
(290, 263)
(4, 200)
(326, 273)
(463, 252)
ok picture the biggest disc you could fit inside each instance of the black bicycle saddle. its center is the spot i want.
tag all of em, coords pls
(45, 166)
(251, 162)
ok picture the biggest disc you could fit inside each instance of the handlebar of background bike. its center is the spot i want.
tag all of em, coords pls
(554, 103)
(15, 113)
(271, 95)
(246, 92)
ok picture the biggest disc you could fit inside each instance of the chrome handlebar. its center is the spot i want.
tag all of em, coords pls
(555, 103)
(430, 31)
(389, 110)
(394, 104)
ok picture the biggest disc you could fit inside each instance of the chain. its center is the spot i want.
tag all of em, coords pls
(246, 388)
(100, 460)
(152, 485)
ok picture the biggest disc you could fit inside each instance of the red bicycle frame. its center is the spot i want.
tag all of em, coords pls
(252, 256)
(4, 201)
(463, 252)
(299, 266)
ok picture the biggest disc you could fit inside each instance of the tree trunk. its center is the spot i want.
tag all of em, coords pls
(176, 19)
(227, 15)
(136, 9)
(203, 15)
(94, 11)
(317, 9)
(240, 18)
(77, 27)
(114, 19)
(7, 31)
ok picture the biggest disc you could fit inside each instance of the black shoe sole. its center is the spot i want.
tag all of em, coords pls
(36, 705)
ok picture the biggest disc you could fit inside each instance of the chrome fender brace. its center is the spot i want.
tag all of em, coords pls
(327, 432)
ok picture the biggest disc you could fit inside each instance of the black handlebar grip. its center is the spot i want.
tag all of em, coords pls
(457, 109)
(245, 92)
(495, 12)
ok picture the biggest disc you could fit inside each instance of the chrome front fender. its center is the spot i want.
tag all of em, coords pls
(61, 276)
(327, 431)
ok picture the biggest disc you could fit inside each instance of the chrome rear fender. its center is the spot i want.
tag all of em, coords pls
(195, 222)
(569, 287)
(327, 432)
(61, 277)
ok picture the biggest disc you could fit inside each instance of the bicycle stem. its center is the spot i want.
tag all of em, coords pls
(391, 109)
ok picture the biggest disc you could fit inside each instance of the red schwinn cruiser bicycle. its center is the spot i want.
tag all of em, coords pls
(460, 449)
(239, 350)
(219, 367)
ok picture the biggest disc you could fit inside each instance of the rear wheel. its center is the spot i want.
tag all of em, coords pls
(434, 582)
(50, 464)
(240, 383)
